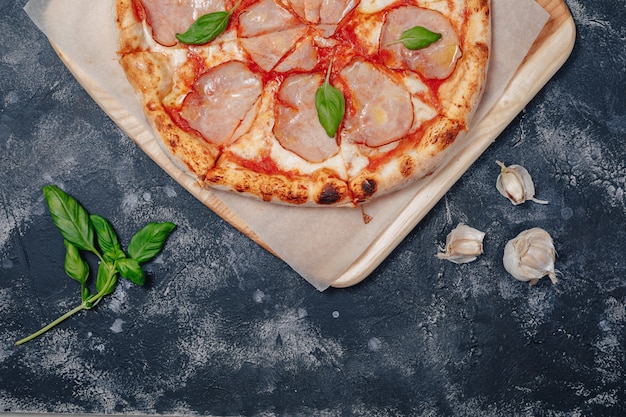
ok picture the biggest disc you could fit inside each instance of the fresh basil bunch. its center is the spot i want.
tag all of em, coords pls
(82, 231)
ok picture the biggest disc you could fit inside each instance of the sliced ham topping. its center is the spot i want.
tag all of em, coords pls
(325, 14)
(222, 100)
(169, 17)
(303, 58)
(265, 17)
(268, 32)
(380, 107)
(297, 127)
(328, 12)
(268, 49)
(435, 61)
(273, 31)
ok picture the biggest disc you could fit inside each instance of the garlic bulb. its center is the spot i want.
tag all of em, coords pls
(530, 256)
(463, 244)
(515, 183)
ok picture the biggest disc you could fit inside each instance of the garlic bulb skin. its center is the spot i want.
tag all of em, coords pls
(530, 256)
(516, 184)
(463, 245)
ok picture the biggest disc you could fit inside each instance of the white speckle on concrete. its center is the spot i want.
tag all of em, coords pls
(374, 344)
(116, 327)
(258, 296)
(170, 191)
(566, 213)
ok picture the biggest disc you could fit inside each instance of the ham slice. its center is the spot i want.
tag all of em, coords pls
(268, 49)
(303, 58)
(265, 17)
(380, 107)
(222, 104)
(297, 127)
(269, 32)
(325, 12)
(169, 17)
(435, 61)
(280, 34)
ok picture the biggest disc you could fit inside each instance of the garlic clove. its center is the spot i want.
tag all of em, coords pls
(530, 256)
(516, 184)
(463, 245)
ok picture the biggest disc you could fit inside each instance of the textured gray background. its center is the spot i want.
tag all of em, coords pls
(223, 327)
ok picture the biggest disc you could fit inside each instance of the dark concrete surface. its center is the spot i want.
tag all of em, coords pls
(225, 328)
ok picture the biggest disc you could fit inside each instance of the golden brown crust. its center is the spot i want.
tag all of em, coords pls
(415, 157)
(461, 92)
(129, 28)
(320, 188)
(149, 75)
(406, 164)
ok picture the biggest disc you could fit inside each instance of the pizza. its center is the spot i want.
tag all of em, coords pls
(306, 102)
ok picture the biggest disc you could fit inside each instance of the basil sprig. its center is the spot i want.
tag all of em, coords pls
(80, 232)
(207, 27)
(418, 37)
(330, 104)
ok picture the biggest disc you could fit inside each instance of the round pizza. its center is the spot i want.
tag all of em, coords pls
(306, 102)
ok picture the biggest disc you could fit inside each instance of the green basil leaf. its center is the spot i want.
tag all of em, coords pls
(205, 28)
(149, 241)
(75, 266)
(331, 106)
(85, 293)
(130, 269)
(70, 218)
(418, 37)
(107, 238)
(106, 279)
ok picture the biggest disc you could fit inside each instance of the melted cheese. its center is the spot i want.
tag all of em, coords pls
(374, 6)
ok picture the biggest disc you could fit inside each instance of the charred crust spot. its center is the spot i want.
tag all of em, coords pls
(447, 138)
(369, 186)
(407, 166)
(329, 195)
(363, 189)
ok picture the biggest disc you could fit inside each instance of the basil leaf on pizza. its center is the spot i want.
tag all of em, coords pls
(418, 37)
(330, 105)
(207, 27)
(238, 97)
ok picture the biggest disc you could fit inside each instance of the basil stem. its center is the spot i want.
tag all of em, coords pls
(106, 280)
(418, 37)
(331, 106)
(207, 27)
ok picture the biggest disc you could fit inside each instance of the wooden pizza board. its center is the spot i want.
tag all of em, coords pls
(548, 53)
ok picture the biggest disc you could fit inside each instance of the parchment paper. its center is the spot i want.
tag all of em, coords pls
(318, 243)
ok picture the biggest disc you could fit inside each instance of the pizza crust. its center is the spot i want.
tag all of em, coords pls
(148, 73)
(152, 73)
